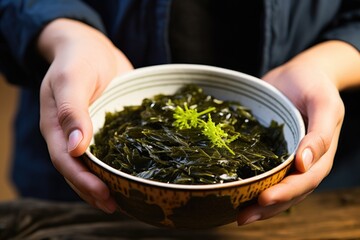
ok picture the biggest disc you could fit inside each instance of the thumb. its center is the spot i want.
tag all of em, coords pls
(65, 101)
(322, 135)
(75, 122)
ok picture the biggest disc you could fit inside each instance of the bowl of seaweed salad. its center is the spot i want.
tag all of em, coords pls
(186, 146)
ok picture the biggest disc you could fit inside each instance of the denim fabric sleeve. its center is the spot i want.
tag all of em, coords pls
(346, 26)
(20, 23)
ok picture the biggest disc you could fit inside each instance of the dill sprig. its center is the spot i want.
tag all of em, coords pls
(217, 135)
(186, 118)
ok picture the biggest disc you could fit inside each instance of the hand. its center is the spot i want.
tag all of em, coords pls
(83, 61)
(318, 100)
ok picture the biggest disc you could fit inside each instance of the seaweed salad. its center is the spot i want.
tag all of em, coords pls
(189, 138)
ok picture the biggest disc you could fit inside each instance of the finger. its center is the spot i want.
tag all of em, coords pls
(324, 123)
(74, 90)
(257, 212)
(72, 105)
(299, 183)
(108, 205)
(76, 124)
(91, 187)
(87, 185)
(293, 189)
(290, 191)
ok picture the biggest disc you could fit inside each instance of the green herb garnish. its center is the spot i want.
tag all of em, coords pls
(217, 135)
(189, 138)
(189, 118)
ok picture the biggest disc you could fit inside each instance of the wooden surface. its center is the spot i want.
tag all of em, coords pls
(328, 215)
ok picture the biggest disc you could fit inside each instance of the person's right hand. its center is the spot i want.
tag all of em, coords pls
(83, 61)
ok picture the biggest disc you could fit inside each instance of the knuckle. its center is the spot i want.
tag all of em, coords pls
(65, 113)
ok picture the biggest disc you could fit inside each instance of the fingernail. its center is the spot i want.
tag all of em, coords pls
(75, 138)
(307, 157)
(251, 219)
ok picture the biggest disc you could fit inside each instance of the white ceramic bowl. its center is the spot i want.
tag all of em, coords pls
(193, 206)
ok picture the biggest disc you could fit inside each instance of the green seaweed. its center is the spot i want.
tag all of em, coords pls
(189, 138)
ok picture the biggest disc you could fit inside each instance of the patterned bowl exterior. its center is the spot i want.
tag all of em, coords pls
(182, 208)
(192, 206)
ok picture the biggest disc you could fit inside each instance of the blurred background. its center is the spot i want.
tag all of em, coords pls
(8, 98)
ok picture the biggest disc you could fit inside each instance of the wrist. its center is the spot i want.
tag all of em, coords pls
(337, 60)
(62, 32)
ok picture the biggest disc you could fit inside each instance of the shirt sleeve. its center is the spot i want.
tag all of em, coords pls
(21, 21)
(346, 26)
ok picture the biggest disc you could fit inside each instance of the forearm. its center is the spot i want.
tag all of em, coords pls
(21, 23)
(338, 60)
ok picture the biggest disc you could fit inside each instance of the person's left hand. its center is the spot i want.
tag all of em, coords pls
(319, 102)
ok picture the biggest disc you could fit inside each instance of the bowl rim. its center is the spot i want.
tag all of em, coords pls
(212, 69)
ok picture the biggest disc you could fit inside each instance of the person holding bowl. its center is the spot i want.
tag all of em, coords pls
(64, 53)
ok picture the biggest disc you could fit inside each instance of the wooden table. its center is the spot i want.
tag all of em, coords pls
(327, 215)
